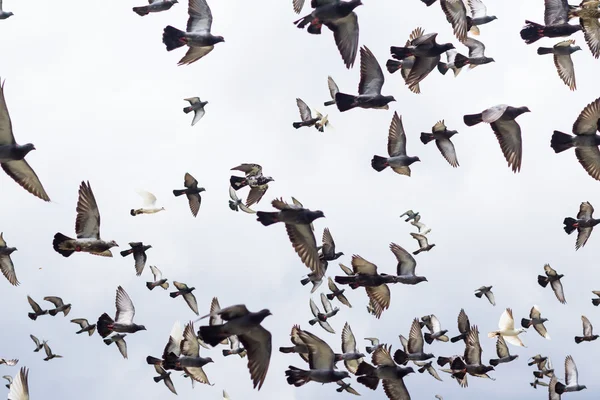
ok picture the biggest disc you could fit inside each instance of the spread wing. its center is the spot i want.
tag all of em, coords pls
(6, 133)
(8, 269)
(591, 32)
(24, 175)
(257, 343)
(200, 19)
(305, 114)
(571, 374)
(345, 32)
(558, 291)
(256, 194)
(589, 158)
(507, 321)
(125, 308)
(508, 134)
(362, 266)
(586, 210)
(19, 389)
(556, 12)
(456, 14)
(463, 321)
(333, 87)
(148, 198)
(588, 329)
(406, 262)
(415, 338)
(349, 346)
(446, 147)
(305, 245)
(501, 348)
(396, 137)
(380, 297)
(87, 223)
(564, 67)
(249, 169)
(371, 75)
(194, 54)
(587, 121)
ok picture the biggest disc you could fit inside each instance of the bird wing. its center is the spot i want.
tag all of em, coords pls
(396, 137)
(148, 198)
(588, 329)
(371, 76)
(47, 349)
(420, 69)
(456, 14)
(305, 114)
(589, 158)
(8, 269)
(87, 223)
(446, 147)
(417, 38)
(249, 169)
(257, 342)
(541, 329)
(232, 194)
(558, 291)
(305, 245)
(82, 322)
(198, 114)
(549, 270)
(326, 303)
(566, 70)
(507, 321)
(478, 9)
(19, 389)
(422, 239)
(174, 343)
(587, 121)
(189, 181)
(347, 270)
(194, 54)
(122, 346)
(189, 345)
(190, 299)
(492, 114)
(556, 12)
(320, 354)
(168, 382)
(345, 32)
(586, 210)
(501, 348)
(328, 243)
(463, 321)
(395, 389)
(405, 72)
(200, 19)
(362, 266)
(140, 258)
(313, 308)
(415, 338)
(195, 200)
(125, 308)
(476, 48)
(332, 86)
(473, 347)
(591, 32)
(256, 194)
(35, 306)
(156, 273)
(381, 356)
(406, 262)
(57, 301)
(35, 340)
(331, 285)
(380, 297)
(583, 234)
(508, 134)
(436, 325)
(571, 374)
(349, 346)
(6, 133)
(535, 313)
(215, 318)
(325, 325)
(232, 312)
(24, 175)
(514, 340)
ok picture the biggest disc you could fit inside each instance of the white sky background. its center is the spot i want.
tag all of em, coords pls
(92, 86)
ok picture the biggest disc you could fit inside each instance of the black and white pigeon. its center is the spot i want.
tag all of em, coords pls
(562, 60)
(423, 229)
(423, 243)
(328, 252)
(149, 207)
(487, 291)
(337, 293)
(197, 106)
(59, 305)
(321, 360)
(192, 192)
(37, 310)
(320, 317)
(553, 278)
(154, 6)
(197, 37)
(305, 115)
(340, 18)
(387, 371)
(536, 320)
(464, 326)
(369, 87)
(299, 347)
(478, 16)
(123, 322)
(237, 204)
(297, 222)
(138, 249)
(258, 182)
(12, 155)
(38, 345)
(410, 214)
(165, 377)
(507, 130)
(504, 355)
(87, 227)
(158, 279)
(4, 14)
(49, 354)
(441, 134)
(19, 388)
(333, 90)
(247, 327)
(571, 378)
(585, 141)
(6, 265)
(556, 23)
(398, 160)
(189, 358)
(85, 326)
(596, 301)
(186, 292)
(406, 64)
(119, 340)
(584, 224)
(588, 331)
(435, 329)
(414, 348)
(450, 64)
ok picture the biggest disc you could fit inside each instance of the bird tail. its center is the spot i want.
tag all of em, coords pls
(226, 352)
(297, 125)
(330, 296)
(286, 350)
(103, 325)
(369, 349)
(393, 66)
(544, 50)
(478, 294)
(561, 141)
(237, 182)
(460, 61)
(559, 388)
(329, 103)
(569, 225)
(596, 302)
(441, 361)
(400, 53)
(302, 22)
(428, 338)
(344, 280)
(426, 137)
(493, 334)
(107, 341)
(345, 101)
(149, 285)
(578, 339)
(442, 67)
(173, 38)
(494, 362)
(305, 281)
(157, 379)
(188, 109)
(267, 218)
(457, 338)
(125, 253)
(422, 369)
(472, 119)
(174, 294)
(417, 251)
(532, 32)
(178, 192)
(400, 357)
(367, 370)
(153, 360)
(141, 11)
(458, 364)
(428, 2)
(379, 163)
(313, 321)
(133, 212)
(53, 312)
(543, 281)
(297, 376)
(538, 374)
(59, 239)
(212, 334)
(525, 323)
(32, 316)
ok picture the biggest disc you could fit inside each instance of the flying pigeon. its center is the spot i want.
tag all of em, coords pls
(138, 249)
(119, 340)
(258, 182)
(536, 321)
(435, 330)
(235, 347)
(504, 355)
(197, 106)
(407, 63)
(375, 344)
(149, 204)
(343, 386)
(37, 310)
(315, 277)
(49, 354)
(337, 293)
(320, 317)
(442, 136)
(553, 278)
(423, 229)
(165, 377)
(299, 347)
(507, 329)
(328, 252)
(478, 16)
(423, 243)
(189, 359)
(398, 161)
(9, 363)
(410, 214)
(414, 349)
(451, 63)
(87, 227)
(123, 322)
(60, 306)
(19, 389)
(571, 378)
(588, 331)
(487, 291)
(562, 60)
(333, 90)
(158, 279)
(369, 87)
(387, 371)
(472, 357)
(349, 348)
(38, 345)
(537, 383)
(556, 23)
(192, 192)
(537, 359)
(476, 55)
(464, 326)
(584, 224)
(85, 326)
(188, 296)
(236, 203)
(197, 37)
(427, 366)
(172, 346)
(6, 265)
(305, 115)
(154, 6)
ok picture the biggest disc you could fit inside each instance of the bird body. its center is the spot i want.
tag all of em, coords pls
(398, 160)
(197, 106)
(154, 7)
(123, 322)
(507, 329)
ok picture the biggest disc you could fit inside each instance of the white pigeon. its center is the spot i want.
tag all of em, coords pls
(149, 204)
(507, 329)
(423, 229)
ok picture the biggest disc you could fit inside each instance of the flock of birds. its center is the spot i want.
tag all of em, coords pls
(238, 329)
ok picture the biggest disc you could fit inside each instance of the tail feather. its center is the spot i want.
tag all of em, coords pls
(400, 357)
(237, 182)
(329, 103)
(569, 225)
(441, 361)
(428, 2)
(212, 335)
(365, 369)
(32, 316)
(107, 341)
(442, 67)
(267, 218)
(457, 338)
(400, 53)
(52, 312)
(532, 32)
(458, 364)
(345, 280)
(125, 253)
(493, 334)
(426, 137)
(559, 388)
(174, 294)
(133, 212)
(330, 296)
(472, 119)
(561, 141)
(286, 350)
(543, 281)
(345, 101)
(428, 338)
(305, 281)
(494, 362)
(226, 352)
(157, 379)
(297, 125)
(103, 325)
(297, 376)
(173, 38)
(393, 66)
(315, 28)
(188, 109)
(578, 339)
(544, 50)
(178, 192)
(302, 22)
(379, 163)
(141, 11)
(59, 239)
(312, 322)
(460, 61)
(149, 285)
(525, 323)
(170, 361)
(596, 302)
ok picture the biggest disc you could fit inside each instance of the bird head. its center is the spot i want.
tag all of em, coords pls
(316, 214)
(339, 254)
(447, 46)
(264, 313)
(390, 98)
(113, 244)
(524, 109)
(544, 320)
(576, 48)
(141, 328)
(269, 179)
(28, 147)
(219, 39)
(174, 1)
(10, 13)
(417, 159)
(487, 369)
(209, 360)
(490, 59)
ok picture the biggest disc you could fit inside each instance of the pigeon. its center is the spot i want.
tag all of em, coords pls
(414, 349)
(49, 354)
(9, 379)
(504, 355)
(406, 64)
(423, 229)
(478, 16)
(487, 291)
(197, 106)
(442, 136)
(19, 389)
(584, 224)
(588, 14)
(197, 37)
(254, 178)
(388, 372)
(149, 204)
(320, 317)
(87, 227)
(255, 339)
(37, 310)
(235, 347)
(536, 321)
(571, 378)
(138, 249)
(476, 55)
(343, 386)
(537, 359)
(507, 130)
(85, 326)
(192, 192)
(423, 243)
(6, 265)
(556, 23)
(537, 383)
(321, 363)
(456, 14)
(188, 296)
(119, 340)
(585, 141)
(154, 6)
(236, 203)
(398, 161)
(349, 348)
(450, 64)
(472, 357)
(544, 368)
(38, 345)
(298, 347)
(337, 293)
(9, 363)
(369, 87)
(435, 330)
(596, 302)
(562, 60)
(507, 329)
(4, 14)
(427, 366)
(333, 90)
(305, 115)
(297, 222)
(60, 306)
(328, 252)
(315, 277)
(172, 346)
(375, 344)
(588, 331)
(464, 326)
(410, 214)
(189, 359)
(158, 279)
(340, 18)
(165, 377)
(12, 155)
(123, 322)
(553, 278)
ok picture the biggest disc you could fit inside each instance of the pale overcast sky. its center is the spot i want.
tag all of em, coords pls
(93, 87)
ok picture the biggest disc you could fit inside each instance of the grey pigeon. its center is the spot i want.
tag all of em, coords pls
(476, 55)
(328, 252)
(189, 358)
(154, 6)
(536, 321)
(192, 192)
(85, 326)
(571, 378)
(49, 354)
(464, 326)
(320, 317)
(333, 89)
(6, 265)
(478, 16)
(435, 330)
(507, 130)
(414, 349)
(584, 224)
(340, 18)
(186, 292)
(138, 249)
(237, 204)
(537, 359)
(165, 377)
(472, 357)
(398, 161)
(504, 355)
(388, 372)
(345, 387)
(315, 277)
(405, 269)
(123, 322)
(119, 340)
(556, 23)
(19, 389)
(305, 115)
(299, 347)
(442, 136)
(158, 279)
(12, 155)
(406, 64)
(588, 331)
(87, 227)
(255, 179)
(60, 306)
(423, 243)
(596, 301)
(487, 291)
(37, 310)
(351, 356)
(410, 214)
(369, 87)
(427, 366)
(197, 106)
(197, 37)
(246, 326)
(172, 346)
(38, 345)
(375, 344)
(562, 60)
(553, 278)
(337, 293)
(235, 347)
